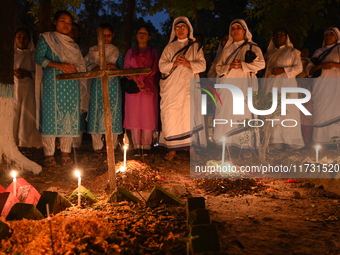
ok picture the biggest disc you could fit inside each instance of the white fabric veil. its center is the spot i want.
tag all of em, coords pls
(271, 45)
(248, 36)
(186, 21)
(336, 31)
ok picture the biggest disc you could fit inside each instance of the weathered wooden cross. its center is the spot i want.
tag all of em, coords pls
(104, 75)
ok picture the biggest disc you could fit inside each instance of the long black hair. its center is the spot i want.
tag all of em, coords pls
(107, 25)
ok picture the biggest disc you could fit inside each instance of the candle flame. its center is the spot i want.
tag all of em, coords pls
(125, 139)
(122, 169)
(125, 147)
(224, 139)
(14, 174)
(77, 173)
(317, 147)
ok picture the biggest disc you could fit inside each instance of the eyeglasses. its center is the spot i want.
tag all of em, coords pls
(181, 27)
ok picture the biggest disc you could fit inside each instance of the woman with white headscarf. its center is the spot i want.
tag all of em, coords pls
(26, 133)
(282, 62)
(233, 64)
(60, 105)
(326, 91)
(181, 60)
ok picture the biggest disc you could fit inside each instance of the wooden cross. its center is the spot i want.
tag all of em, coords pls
(104, 75)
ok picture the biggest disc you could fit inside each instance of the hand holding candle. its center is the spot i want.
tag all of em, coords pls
(77, 173)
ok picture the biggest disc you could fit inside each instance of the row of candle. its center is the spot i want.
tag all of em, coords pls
(125, 147)
(77, 173)
(224, 140)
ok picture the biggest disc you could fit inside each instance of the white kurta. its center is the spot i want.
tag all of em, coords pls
(25, 132)
(289, 59)
(177, 123)
(325, 95)
(242, 78)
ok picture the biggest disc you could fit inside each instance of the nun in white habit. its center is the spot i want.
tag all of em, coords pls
(326, 91)
(233, 69)
(181, 60)
(283, 63)
(25, 132)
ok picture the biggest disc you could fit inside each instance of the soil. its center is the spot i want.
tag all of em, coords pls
(253, 215)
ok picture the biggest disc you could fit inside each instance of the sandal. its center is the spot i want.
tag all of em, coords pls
(170, 156)
(136, 152)
(66, 161)
(49, 161)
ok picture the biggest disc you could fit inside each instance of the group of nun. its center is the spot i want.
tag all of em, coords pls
(282, 63)
(60, 103)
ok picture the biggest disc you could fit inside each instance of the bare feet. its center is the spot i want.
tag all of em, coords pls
(49, 161)
(65, 159)
(170, 155)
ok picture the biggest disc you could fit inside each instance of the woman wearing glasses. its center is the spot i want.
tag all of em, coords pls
(181, 60)
(114, 60)
(236, 68)
(141, 108)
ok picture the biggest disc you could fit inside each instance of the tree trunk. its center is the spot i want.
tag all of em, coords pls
(8, 150)
(129, 25)
(266, 134)
(7, 30)
(45, 14)
(197, 23)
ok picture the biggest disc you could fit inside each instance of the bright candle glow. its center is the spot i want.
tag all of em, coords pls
(77, 173)
(125, 147)
(14, 175)
(122, 169)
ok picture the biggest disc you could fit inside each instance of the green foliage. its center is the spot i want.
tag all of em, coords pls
(69, 5)
(211, 45)
(335, 139)
(95, 12)
(298, 17)
(34, 12)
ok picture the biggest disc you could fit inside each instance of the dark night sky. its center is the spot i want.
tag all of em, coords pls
(157, 19)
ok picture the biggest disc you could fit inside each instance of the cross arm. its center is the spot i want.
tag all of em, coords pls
(98, 74)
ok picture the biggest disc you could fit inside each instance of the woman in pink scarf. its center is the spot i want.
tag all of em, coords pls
(141, 109)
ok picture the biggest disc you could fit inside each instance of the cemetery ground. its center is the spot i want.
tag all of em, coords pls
(252, 215)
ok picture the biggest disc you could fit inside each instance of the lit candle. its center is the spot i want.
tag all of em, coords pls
(79, 184)
(125, 147)
(14, 175)
(317, 153)
(224, 139)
